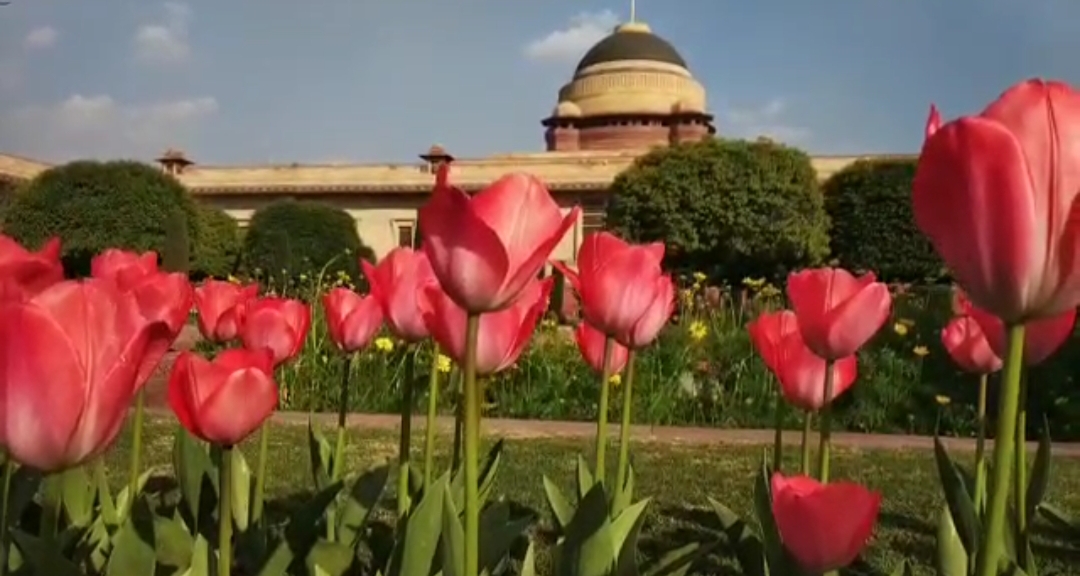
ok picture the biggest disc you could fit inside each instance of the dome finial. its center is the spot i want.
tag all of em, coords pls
(633, 11)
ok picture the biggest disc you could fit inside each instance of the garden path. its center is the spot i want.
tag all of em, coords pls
(525, 429)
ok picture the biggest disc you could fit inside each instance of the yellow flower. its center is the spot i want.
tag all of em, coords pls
(942, 399)
(769, 291)
(698, 330)
(907, 322)
(699, 277)
(753, 283)
(303, 278)
(687, 297)
(384, 344)
(443, 363)
(900, 328)
(921, 351)
(234, 279)
(615, 379)
(548, 323)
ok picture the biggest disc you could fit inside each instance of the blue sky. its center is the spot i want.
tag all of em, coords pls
(247, 81)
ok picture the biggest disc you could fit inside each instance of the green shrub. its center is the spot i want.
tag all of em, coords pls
(8, 189)
(217, 244)
(290, 238)
(730, 208)
(873, 228)
(92, 206)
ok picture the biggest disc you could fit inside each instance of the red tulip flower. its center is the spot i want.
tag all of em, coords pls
(224, 400)
(69, 363)
(277, 324)
(1042, 337)
(933, 121)
(123, 267)
(396, 284)
(486, 248)
(838, 313)
(767, 333)
(624, 293)
(823, 526)
(23, 273)
(351, 319)
(221, 306)
(591, 343)
(502, 335)
(966, 343)
(995, 195)
(801, 373)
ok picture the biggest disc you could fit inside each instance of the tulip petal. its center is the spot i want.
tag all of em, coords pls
(239, 406)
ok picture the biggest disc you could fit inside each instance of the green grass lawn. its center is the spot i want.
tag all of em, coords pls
(678, 478)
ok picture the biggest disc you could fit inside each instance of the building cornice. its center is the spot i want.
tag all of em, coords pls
(561, 171)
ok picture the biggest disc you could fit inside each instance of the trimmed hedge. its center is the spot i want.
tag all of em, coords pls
(729, 208)
(873, 227)
(290, 238)
(8, 189)
(217, 244)
(93, 205)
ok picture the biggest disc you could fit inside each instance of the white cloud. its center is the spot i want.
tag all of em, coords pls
(39, 38)
(100, 127)
(570, 43)
(767, 119)
(165, 42)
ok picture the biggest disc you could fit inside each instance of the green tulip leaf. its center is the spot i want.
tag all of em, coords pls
(200, 558)
(561, 509)
(416, 481)
(488, 472)
(96, 543)
(951, 558)
(625, 532)
(678, 562)
(355, 512)
(42, 556)
(453, 539)
(123, 501)
(321, 455)
(329, 559)
(242, 488)
(1060, 519)
(770, 537)
(958, 498)
(904, 569)
(192, 468)
(25, 483)
(79, 495)
(587, 548)
(1040, 473)
(624, 494)
(498, 532)
(174, 543)
(585, 478)
(301, 532)
(419, 534)
(105, 500)
(134, 544)
(748, 547)
(528, 564)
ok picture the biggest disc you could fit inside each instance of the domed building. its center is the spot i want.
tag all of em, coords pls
(632, 90)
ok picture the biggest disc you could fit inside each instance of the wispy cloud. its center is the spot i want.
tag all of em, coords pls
(166, 41)
(40, 38)
(570, 43)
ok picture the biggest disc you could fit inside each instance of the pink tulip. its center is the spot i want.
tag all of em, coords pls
(396, 284)
(69, 362)
(966, 344)
(23, 274)
(221, 306)
(933, 121)
(224, 400)
(591, 343)
(838, 313)
(276, 324)
(767, 333)
(624, 293)
(123, 267)
(503, 335)
(996, 194)
(1042, 337)
(486, 248)
(351, 319)
(802, 375)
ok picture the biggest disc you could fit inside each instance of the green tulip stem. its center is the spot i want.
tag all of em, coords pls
(471, 434)
(602, 411)
(826, 425)
(9, 471)
(624, 431)
(432, 414)
(980, 446)
(455, 384)
(807, 425)
(992, 543)
(778, 431)
(225, 512)
(405, 441)
(343, 410)
(136, 448)
(1020, 483)
(52, 502)
(260, 479)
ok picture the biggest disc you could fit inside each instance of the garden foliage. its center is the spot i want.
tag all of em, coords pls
(873, 227)
(217, 244)
(93, 206)
(730, 208)
(290, 238)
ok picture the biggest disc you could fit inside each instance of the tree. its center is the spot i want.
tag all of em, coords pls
(873, 227)
(290, 238)
(93, 205)
(730, 208)
(216, 246)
